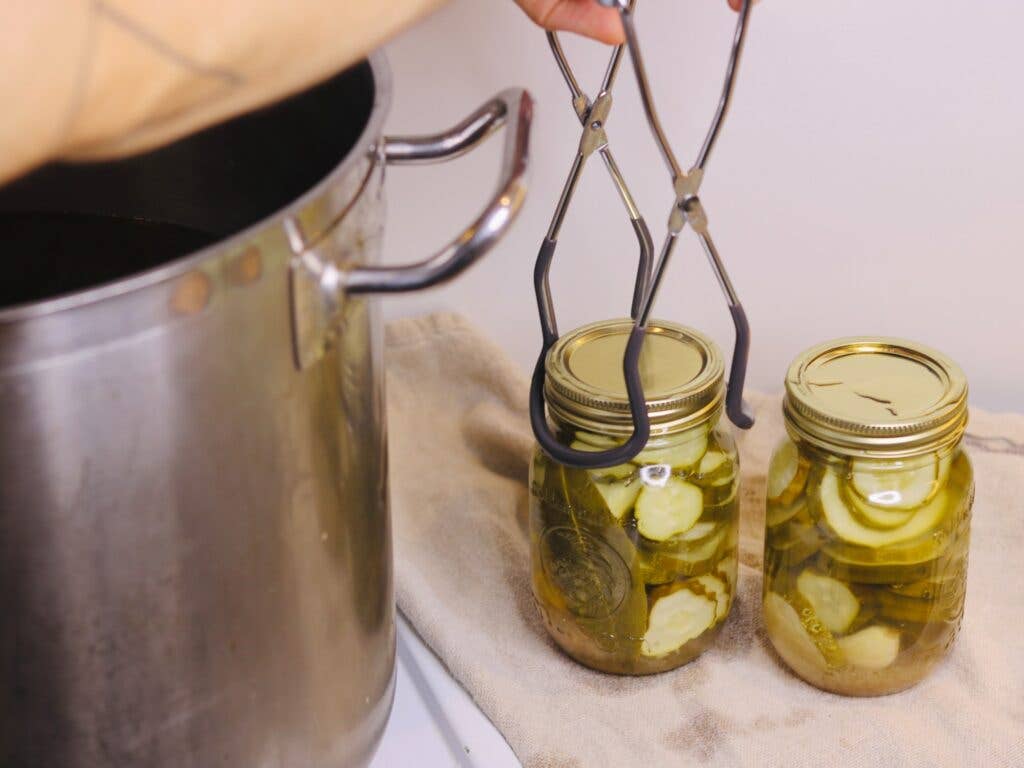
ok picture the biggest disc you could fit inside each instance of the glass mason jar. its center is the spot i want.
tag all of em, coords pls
(868, 516)
(634, 566)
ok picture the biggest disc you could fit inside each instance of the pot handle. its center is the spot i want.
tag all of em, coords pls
(512, 108)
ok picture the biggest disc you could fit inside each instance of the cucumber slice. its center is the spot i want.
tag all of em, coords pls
(712, 461)
(663, 512)
(618, 472)
(832, 601)
(684, 454)
(778, 513)
(794, 542)
(876, 517)
(841, 520)
(668, 561)
(726, 569)
(618, 496)
(794, 636)
(888, 483)
(787, 474)
(874, 573)
(938, 602)
(719, 590)
(698, 532)
(906, 609)
(677, 616)
(595, 441)
(875, 647)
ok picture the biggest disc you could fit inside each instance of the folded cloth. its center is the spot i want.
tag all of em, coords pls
(460, 446)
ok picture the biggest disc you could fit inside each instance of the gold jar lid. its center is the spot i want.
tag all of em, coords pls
(875, 396)
(681, 371)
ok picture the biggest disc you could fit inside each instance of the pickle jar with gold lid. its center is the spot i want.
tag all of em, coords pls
(868, 513)
(634, 565)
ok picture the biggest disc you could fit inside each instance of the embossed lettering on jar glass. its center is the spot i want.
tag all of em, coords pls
(868, 515)
(634, 566)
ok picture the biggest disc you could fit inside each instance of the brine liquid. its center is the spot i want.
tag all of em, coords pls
(865, 566)
(614, 598)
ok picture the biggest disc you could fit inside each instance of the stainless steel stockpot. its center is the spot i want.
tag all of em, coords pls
(195, 552)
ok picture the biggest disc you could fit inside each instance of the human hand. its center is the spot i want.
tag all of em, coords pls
(585, 17)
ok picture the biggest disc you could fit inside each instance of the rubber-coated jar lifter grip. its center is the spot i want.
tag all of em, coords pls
(637, 404)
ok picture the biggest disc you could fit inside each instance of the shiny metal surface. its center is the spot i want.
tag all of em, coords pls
(680, 368)
(195, 544)
(593, 116)
(876, 396)
(687, 207)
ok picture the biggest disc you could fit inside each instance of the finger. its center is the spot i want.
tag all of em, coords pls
(583, 17)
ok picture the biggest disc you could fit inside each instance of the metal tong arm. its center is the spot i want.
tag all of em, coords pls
(637, 404)
(592, 116)
(687, 206)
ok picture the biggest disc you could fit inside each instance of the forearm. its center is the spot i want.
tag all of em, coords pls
(84, 79)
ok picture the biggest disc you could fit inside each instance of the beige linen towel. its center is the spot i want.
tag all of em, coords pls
(460, 442)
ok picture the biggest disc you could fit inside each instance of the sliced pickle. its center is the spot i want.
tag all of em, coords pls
(685, 452)
(868, 613)
(699, 531)
(677, 616)
(595, 441)
(778, 513)
(841, 520)
(939, 583)
(874, 573)
(876, 517)
(832, 601)
(667, 561)
(665, 511)
(905, 609)
(726, 569)
(883, 483)
(717, 470)
(718, 589)
(938, 605)
(618, 472)
(618, 496)
(787, 474)
(875, 647)
(802, 637)
(795, 541)
(712, 462)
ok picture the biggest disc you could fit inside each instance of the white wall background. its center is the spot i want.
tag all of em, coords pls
(869, 178)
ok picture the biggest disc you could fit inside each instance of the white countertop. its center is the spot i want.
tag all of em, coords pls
(434, 723)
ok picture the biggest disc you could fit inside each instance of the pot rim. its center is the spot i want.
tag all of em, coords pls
(382, 90)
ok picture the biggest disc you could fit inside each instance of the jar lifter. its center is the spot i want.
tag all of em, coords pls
(686, 208)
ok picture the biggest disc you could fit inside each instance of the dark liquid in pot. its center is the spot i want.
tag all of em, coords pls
(50, 254)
